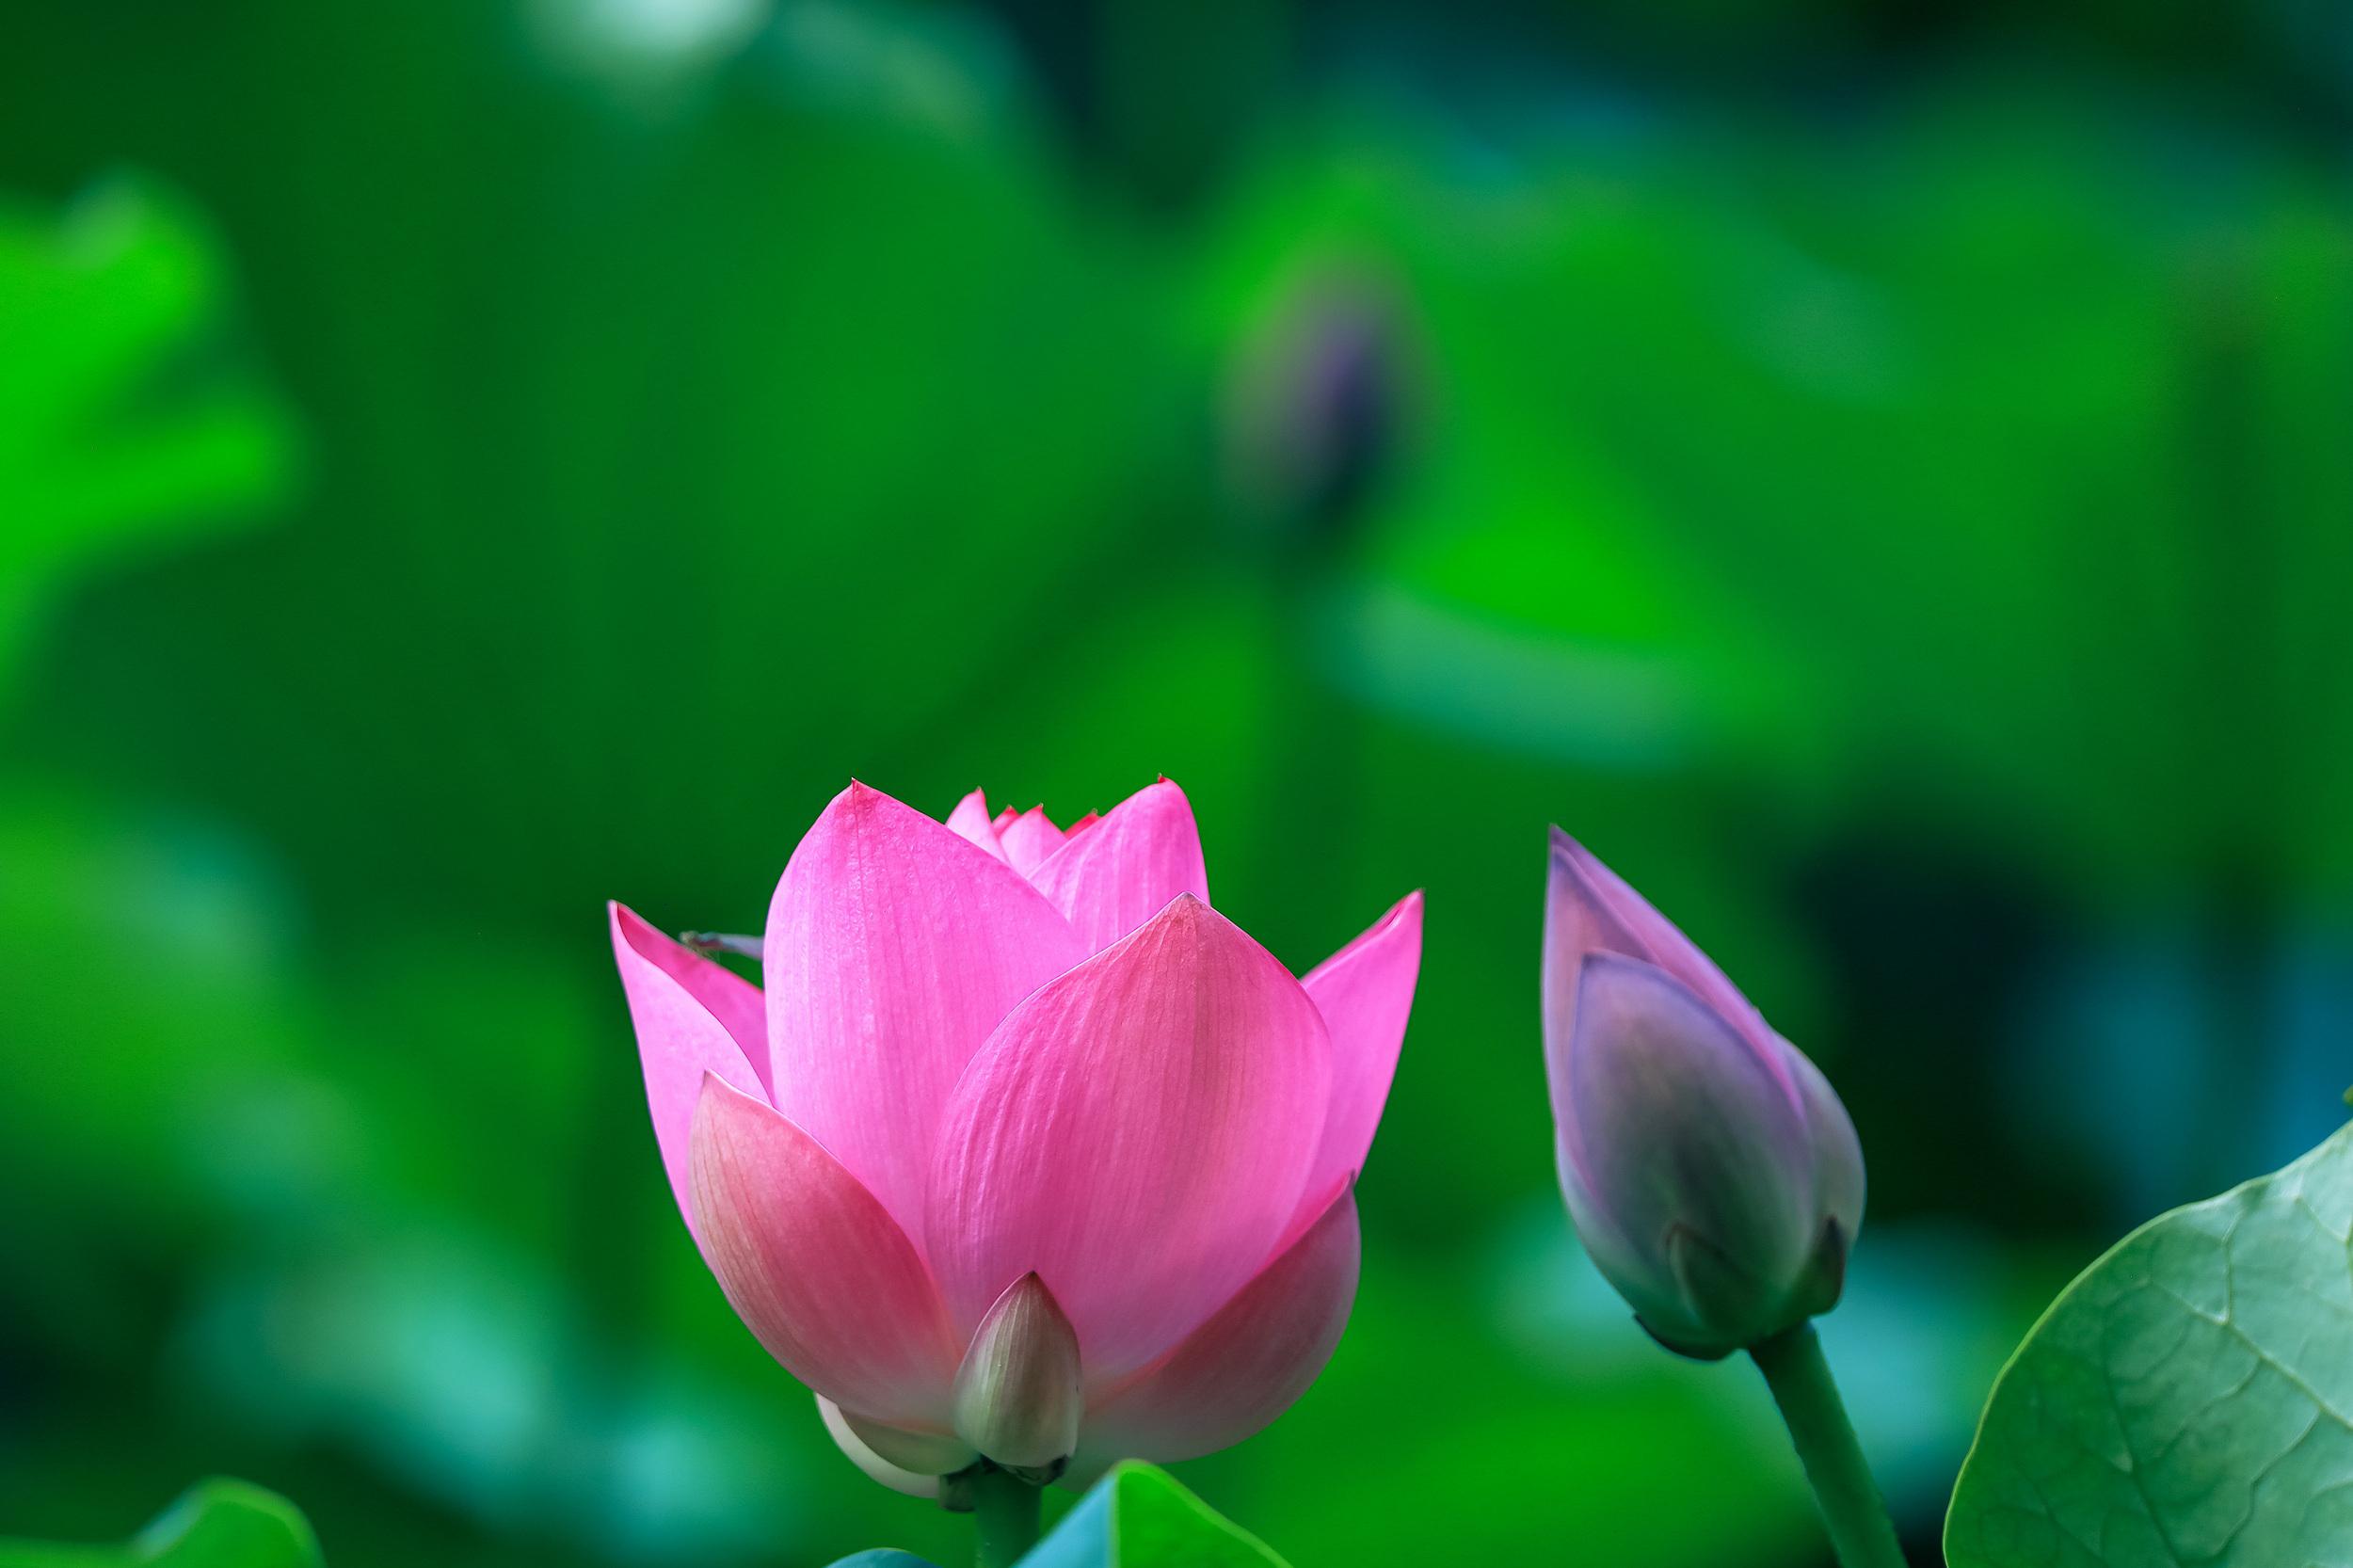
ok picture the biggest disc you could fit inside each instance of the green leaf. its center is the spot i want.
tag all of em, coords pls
(2187, 1400)
(1139, 1517)
(216, 1524)
(128, 412)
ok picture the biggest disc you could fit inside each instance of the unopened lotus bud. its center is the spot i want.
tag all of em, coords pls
(1019, 1395)
(1712, 1173)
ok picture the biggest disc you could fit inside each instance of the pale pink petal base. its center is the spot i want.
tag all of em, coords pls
(1245, 1366)
(861, 1453)
(1138, 1132)
(816, 1266)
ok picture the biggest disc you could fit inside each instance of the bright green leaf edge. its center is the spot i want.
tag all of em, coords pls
(1139, 1516)
(2187, 1400)
(215, 1524)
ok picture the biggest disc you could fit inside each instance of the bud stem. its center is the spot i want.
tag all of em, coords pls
(1004, 1517)
(1852, 1509)
(719, 941)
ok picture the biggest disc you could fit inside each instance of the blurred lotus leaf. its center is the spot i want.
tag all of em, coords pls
(124, 413)
(2190, 1399)
(216, 1524)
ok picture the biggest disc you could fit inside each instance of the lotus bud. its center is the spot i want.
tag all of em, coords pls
(1713, 1175)
(1019, 1394)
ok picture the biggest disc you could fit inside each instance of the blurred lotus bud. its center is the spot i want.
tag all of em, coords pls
(1313, 414)
(1714, 1177)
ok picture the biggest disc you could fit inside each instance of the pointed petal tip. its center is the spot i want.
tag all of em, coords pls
(1571, 856)
(858, 795)
(712, 1094)
(1601, 968)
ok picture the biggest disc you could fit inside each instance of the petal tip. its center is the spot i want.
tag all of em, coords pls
(1601, 967)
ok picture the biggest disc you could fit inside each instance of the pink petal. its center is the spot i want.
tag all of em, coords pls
(1138, 1132)
(969, 820)
(1365, 992)
(893, 947)
(1030, 839)
(693, 1016)
(1081, 826)
(1126, 867)
(1245, 1366)
(815, 1267)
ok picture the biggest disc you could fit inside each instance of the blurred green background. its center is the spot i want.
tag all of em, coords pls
(1881, 475)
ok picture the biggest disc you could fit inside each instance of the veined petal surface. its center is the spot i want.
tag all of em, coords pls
(1126, 866)
(815, 1266)
(894, 946)
(1246, 1365)
(1138, 1132)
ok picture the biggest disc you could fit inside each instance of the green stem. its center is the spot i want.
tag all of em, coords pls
(1004, 1517)
(1859, 1530)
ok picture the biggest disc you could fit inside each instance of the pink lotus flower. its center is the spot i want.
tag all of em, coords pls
(1026, 1152)
(1712, 1173)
